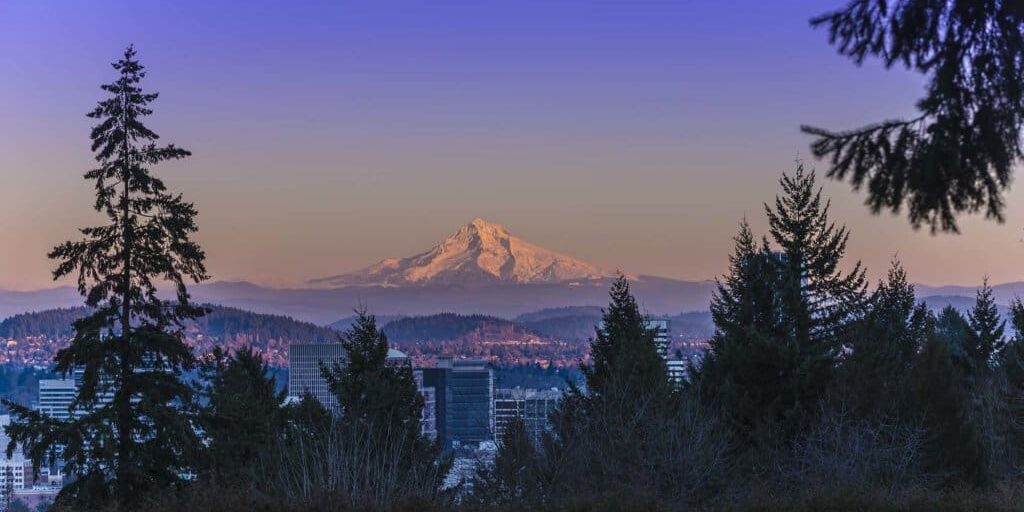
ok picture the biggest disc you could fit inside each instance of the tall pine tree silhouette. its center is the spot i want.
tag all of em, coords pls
(780, 317)
(128, 435)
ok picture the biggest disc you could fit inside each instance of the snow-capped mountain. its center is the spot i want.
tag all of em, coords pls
(479, 253)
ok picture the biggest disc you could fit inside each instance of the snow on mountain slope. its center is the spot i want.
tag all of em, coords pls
(479, 253)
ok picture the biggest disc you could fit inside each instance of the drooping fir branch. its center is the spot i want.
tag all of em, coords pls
(957, 155)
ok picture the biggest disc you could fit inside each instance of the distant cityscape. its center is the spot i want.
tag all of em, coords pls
(464, 408)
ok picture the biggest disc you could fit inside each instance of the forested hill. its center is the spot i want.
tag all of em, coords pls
(451, 326)
(223, 323)
(51, 323)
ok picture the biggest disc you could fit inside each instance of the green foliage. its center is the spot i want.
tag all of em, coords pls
(817, 300)
(1012, 369)
(220, 322)
(985, 341)
(444, 326)
(942, 394)
(130, 346)
(631, 436)
(308, 415)
(243, 415)
(381, 410)
(624, 357)
(780, 318)
(882, 348)
(958, 153)
(513, 478)
(743, 373)
(369, 390)
(51, 323)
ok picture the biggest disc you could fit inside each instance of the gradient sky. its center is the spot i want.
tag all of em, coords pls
(329, 135)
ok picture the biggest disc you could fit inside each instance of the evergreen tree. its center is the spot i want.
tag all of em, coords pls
(882, 346)
(954, 329)
(513, 477)
(308, 415)
(984, 340)
(625, 438)
(742, 374)
(381, 409)
(958, 153)
(243, 417)
(780, 318)
(942, 396)
(1012, 369)
(369, 390)
(624, 356)
(129, 435)
(818, 302)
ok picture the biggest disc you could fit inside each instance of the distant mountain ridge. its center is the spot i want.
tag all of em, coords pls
(479, 253)
(323, 306)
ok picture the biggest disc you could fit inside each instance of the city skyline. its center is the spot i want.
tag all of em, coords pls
(657, 126)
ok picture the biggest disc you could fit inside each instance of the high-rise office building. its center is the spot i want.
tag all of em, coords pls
(677, 371)
(55, 397)
(428, 417)
(15, 471)
(304, 375)
(437, 379)
(470, 404)
(662, 335)
(304, 360)
(533, 406)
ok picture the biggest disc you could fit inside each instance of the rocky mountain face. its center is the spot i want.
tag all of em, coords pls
(478, 254)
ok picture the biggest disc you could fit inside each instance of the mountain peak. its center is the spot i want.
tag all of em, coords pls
(479, 253)
(479, 225)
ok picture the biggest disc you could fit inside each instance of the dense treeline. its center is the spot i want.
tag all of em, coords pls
(50, 323)
(450, 326)
(220, 322)
(226, 322)
(576, 323)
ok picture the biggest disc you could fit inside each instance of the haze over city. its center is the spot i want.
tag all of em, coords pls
(330, 135)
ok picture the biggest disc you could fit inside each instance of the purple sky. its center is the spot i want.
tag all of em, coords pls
(329, 135)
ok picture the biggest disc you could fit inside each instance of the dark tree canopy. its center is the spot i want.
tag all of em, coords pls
(957, 154)
(882, 346)
(780, 318)
(513, 477)
(818, 300)
(380, 415)
(985, 337)
(128, 433)
(243, 416)
(623, 354)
